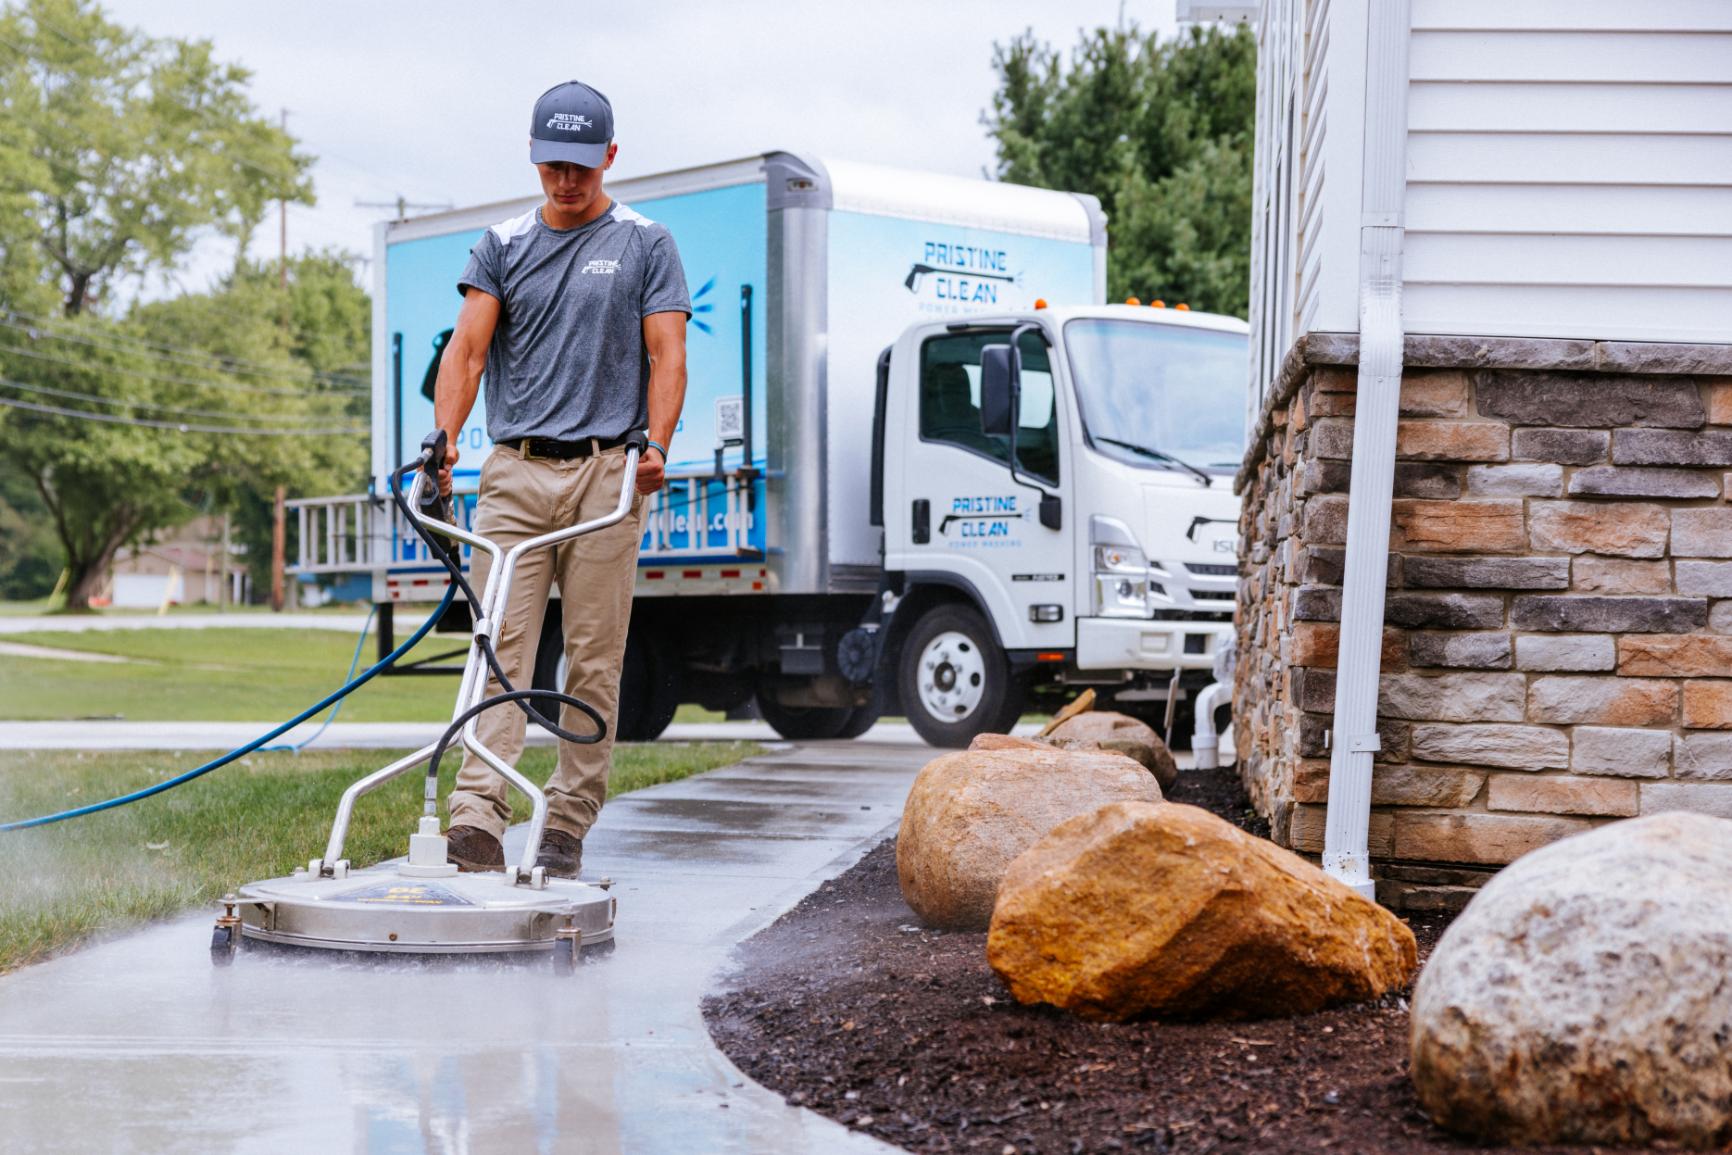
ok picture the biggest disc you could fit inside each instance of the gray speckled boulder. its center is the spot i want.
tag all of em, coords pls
(1585, 995)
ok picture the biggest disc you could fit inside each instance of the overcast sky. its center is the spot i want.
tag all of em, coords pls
(430, 99)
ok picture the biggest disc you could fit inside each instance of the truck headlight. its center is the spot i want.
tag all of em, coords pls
(1121, 570)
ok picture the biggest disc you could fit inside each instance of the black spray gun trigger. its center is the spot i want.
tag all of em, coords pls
(433, 504)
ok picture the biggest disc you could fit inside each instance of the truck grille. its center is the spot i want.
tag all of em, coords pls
(1207, 569)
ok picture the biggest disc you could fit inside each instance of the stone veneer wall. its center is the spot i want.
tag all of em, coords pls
(1558, 635)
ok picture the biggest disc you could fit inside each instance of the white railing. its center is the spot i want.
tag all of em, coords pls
(689, 513)
(337, 534)
(691, 517)
(360, 534)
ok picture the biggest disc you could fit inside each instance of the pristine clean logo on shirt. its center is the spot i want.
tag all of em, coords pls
(567, 360)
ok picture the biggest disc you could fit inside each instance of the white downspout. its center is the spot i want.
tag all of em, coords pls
(1358, 666)
(1205, 742)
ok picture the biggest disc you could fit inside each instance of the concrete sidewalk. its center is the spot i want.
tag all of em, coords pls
(87, 623)
(140, 1044)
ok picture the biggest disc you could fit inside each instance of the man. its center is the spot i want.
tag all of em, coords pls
(576, 312)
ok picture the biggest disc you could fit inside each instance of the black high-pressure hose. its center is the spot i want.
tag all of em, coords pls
(439, 507)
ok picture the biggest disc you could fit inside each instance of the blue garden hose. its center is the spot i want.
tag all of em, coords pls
(360, 644)
(336, 695)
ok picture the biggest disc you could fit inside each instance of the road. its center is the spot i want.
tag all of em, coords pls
(139, 1044)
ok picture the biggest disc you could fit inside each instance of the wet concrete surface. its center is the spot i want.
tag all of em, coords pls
(140, 1044)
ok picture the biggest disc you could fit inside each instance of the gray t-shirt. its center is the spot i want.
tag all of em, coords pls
(568, 358)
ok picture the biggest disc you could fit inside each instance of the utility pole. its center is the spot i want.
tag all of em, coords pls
(223, 590)
(283, 230)
(277, 544)
(402, 205)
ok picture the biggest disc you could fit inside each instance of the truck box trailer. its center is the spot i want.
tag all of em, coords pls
(840, 311)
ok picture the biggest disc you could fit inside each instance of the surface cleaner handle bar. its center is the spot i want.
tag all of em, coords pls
(474, 676)
(425, 499)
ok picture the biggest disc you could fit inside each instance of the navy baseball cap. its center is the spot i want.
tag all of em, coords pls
(574, 123)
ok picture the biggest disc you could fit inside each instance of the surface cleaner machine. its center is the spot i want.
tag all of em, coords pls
(421, 904)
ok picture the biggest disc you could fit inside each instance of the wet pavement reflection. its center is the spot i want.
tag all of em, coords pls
(139, 1044)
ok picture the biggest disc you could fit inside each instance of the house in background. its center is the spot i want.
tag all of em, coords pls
(183, 566)
(1486, 595)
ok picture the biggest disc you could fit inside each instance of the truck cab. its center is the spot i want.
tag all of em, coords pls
(1101, 555)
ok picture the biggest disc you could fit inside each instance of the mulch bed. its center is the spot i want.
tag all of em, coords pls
(850, 1008)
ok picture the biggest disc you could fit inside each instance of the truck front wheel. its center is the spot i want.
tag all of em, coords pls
(955, 680)
(803, 723)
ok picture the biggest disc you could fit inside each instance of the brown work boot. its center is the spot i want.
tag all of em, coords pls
(560, 855)
(473, 849)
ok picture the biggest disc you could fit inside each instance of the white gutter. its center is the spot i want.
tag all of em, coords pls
(1358, 666)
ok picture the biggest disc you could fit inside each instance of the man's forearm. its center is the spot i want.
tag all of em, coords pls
(667, 396)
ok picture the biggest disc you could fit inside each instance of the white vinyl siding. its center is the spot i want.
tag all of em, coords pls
(1305, 227)
(1272, 174)
(1570, 169)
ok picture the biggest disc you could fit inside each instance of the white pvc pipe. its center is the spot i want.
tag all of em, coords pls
(1354, 741)
(1205, 742)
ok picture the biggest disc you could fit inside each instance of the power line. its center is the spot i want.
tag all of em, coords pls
(174, 426)
(402, 204)
(70, 395)
(165, 378)
(43, 326)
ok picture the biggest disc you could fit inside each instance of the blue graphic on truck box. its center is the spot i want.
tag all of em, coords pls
(721, 238)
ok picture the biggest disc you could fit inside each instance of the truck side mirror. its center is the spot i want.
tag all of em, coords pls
(1000, 374)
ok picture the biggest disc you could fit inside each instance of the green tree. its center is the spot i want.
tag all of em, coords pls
(137, 144)
(116, 151)
(1160, 132)
(193, 404)
(321, 325)
(31, 559)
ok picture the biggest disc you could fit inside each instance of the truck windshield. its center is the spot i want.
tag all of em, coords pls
(1174, 389)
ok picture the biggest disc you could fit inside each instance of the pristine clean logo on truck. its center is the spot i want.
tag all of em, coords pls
(960, 274)
(986, 521)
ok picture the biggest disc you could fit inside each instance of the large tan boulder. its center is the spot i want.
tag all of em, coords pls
(1583, 995)
(1137, 910)
(971, 813)
(1122, 734)
(1008, 742)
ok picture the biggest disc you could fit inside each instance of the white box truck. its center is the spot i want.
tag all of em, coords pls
(843, 533)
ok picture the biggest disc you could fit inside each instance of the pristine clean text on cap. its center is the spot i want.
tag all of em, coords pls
(574, 123)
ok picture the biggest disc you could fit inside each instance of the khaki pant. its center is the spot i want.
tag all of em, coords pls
(521, 499)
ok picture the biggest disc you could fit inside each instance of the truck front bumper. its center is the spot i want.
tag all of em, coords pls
(1133, 644)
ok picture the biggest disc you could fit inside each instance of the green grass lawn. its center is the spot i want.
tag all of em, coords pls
(10, 609)
(257, 818)
(218, 675)
(214, 675)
